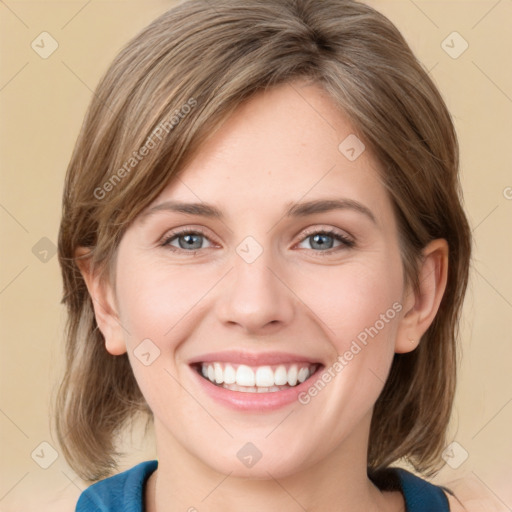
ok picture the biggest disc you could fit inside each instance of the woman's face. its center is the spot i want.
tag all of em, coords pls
(272, 289)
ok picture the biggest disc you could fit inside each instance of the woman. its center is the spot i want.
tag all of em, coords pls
(263, 247)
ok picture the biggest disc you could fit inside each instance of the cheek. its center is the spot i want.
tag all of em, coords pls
(360, 309)
(356, 298)
(158, 305)
(155, 300)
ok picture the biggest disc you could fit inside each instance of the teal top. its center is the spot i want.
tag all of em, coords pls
(125, 492)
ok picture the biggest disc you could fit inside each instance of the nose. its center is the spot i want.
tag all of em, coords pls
(256, 296)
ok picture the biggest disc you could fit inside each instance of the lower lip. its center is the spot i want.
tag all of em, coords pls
(258, 402)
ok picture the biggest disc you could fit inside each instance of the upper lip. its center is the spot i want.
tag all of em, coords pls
(252, 359)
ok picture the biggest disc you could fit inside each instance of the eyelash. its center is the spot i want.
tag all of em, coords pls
(347, 243)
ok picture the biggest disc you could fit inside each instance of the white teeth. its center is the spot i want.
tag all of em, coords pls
(261, 379)
(229, 374)
(245, 376)
(244, 389)
(264, 376)
(219, 379)
(281, 376)
(292, 375)
(303, 374)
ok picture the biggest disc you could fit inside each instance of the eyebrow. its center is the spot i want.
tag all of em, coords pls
(293, 209)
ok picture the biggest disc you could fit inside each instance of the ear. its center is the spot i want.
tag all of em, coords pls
(421, 308)
(103, 301)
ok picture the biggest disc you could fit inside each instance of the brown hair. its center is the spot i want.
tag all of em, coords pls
(212, 56)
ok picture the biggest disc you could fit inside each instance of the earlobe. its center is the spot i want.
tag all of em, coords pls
(421, 307)
(102, 297)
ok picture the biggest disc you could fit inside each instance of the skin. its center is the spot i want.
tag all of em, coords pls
(281, 147)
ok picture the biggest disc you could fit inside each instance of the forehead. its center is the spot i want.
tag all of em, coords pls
(284, 145)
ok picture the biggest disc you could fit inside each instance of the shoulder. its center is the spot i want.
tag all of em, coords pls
(470, 495)
(119, 492)
(456, 505)
(463, 504)
(419, 494)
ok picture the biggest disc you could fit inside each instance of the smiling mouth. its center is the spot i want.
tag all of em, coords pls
(256, 379)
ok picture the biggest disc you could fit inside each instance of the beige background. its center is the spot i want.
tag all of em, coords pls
(42, 103)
